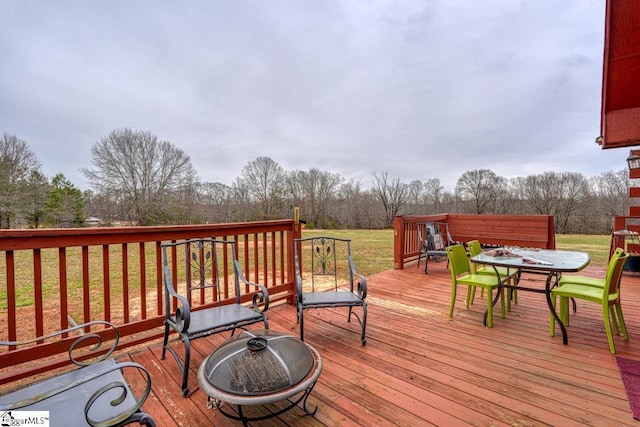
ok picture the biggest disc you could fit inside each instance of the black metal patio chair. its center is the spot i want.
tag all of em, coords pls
(209, 266)
(326, 277)
(94, 393)
(434, 238)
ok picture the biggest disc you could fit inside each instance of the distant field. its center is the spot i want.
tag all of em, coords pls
(373, 249)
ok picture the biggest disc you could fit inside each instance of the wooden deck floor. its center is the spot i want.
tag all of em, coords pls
(421, 367)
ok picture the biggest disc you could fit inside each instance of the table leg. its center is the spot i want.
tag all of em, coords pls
(495, 299)
(547, 291)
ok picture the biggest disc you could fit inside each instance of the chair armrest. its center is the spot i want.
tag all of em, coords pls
(120, 409)
(362, 287)
(92, 341)
(260, 299)
(362, 284)
(124, 389)
(183, 312)
(102, 370)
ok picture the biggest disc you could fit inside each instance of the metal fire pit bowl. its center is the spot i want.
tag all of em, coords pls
(258, 367)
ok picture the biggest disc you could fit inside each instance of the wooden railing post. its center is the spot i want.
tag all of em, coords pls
(291, 270)
(551, 234)
(398, 242)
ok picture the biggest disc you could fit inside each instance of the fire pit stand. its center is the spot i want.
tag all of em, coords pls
(259, 368)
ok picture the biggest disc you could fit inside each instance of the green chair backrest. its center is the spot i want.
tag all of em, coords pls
(613, 261)
(474, 247)
(458, 261)
(612, 284)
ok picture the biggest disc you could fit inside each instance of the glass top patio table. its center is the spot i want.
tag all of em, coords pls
(550, 261)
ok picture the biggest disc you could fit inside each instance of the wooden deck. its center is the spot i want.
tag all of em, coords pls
(421, 367)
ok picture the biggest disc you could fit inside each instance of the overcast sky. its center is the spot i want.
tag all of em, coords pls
(419, 89)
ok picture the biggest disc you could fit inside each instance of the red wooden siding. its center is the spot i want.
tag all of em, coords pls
(620, 119)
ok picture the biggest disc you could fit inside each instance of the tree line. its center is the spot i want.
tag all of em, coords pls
(138, 179)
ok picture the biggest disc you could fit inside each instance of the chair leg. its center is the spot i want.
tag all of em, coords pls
(185, 368)
(623, 326)
(614, 319)
(607, 326)
(564, 310)
(552, 319)
(471, 292)
(165, 340)
(490, 308)
(364, 323)
(301, 321)
(453, 300)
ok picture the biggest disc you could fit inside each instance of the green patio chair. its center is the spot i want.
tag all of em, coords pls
(462, 274)
(510, 275)
(608, 297)
(598, 282)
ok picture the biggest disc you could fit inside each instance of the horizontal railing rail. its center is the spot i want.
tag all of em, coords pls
(55, 278)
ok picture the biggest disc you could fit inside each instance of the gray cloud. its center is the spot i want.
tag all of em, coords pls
(419, 89)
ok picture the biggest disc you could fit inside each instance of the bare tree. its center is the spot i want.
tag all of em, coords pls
(393, 195)
(107, 206)
(242, 201)
(415, 197)
(147, 171)
(348, 207)
(483, 188)
(265, 180)
(612, 191)
(313, 189)
(433, 193)
(216, 200)
(559, 194)
(17, 163)
(543, 193)
(518, 195)
(575, 191)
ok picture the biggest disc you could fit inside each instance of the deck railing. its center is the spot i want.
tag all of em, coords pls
(515, 230)
(54, 278)
(405, 237)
